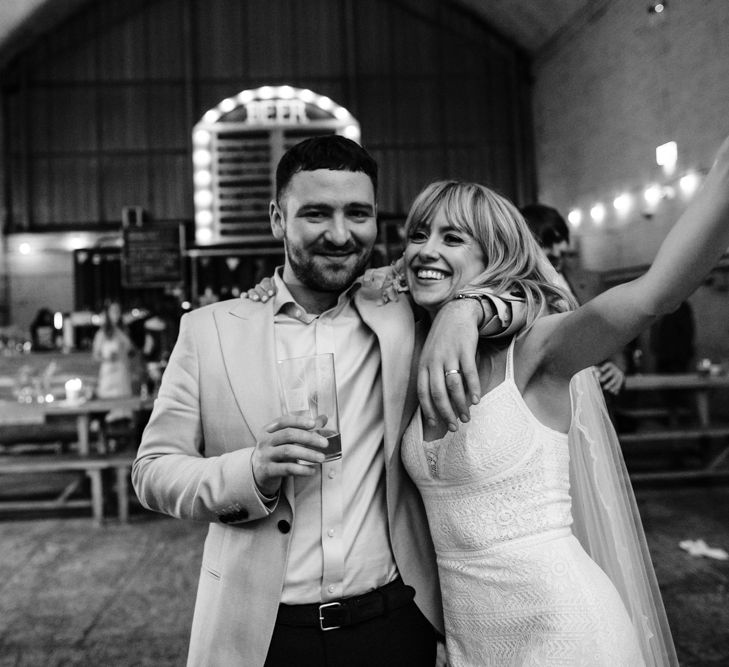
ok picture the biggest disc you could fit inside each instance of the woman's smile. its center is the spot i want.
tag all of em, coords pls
(440, 260)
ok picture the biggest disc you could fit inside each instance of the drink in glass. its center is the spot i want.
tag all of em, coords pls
(308, 388)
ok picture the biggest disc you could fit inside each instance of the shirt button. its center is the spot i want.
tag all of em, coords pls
(330, 532)
(284, 526)
(332, 474)
(330, 589)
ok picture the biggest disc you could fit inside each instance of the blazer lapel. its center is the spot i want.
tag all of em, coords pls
(249, 353)
(392, 323)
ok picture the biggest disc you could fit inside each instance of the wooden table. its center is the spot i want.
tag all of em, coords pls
(93, 462)
(36, 413)
(704, 429)
(699, 385)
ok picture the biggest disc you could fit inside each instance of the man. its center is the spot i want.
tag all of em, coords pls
(553, 235)
(304, 565)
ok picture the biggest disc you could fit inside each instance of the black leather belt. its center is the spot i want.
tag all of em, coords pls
(349, 611)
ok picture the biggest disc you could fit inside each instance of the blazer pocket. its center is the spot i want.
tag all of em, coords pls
(213, 550)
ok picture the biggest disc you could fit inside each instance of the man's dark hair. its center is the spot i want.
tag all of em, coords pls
(547, 225)
(330, 151)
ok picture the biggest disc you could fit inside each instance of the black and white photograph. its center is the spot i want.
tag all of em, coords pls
(364, 333)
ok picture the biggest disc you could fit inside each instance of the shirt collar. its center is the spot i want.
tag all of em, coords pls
(283, 297)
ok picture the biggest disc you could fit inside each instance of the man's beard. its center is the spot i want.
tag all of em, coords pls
(314, 271)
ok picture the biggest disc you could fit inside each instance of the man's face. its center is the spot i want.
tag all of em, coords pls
(327, 219)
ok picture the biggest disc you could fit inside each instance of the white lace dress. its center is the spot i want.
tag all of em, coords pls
(518, 589)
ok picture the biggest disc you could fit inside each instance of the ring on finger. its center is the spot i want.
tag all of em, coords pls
(452, 371)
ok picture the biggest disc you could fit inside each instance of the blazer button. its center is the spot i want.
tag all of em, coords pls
(284, 526)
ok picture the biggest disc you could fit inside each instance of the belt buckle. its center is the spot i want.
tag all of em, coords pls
(321, 615)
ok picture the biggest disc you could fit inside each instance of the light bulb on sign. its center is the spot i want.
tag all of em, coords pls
(201, 158)
(211, 116)
(201, 138)
(341, 113)
(203, 235)
(227, 105)
(203, 178)
(351, 132)
(246, 96)
(203, 198)
(203, 219)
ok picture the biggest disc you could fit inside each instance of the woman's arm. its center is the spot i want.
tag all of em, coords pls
(570, 342)
(96, 346)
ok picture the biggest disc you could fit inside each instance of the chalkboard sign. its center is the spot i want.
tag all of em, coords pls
(151, 256)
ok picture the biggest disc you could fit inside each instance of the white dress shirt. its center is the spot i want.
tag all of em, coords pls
(340, 542)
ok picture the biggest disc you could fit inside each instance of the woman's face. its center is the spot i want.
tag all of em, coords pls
(439, 261)
(114, 313)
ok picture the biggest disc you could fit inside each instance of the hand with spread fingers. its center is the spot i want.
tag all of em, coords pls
(611, 377)
(389, 280)
(263, 291)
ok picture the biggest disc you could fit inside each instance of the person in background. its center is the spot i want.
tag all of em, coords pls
(307, 565)
(553, 235)
(113, 349)
(672, 341)
(42, 331)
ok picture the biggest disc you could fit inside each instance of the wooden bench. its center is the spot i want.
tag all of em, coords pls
(677, 434)
(713, 464)
(93, 466)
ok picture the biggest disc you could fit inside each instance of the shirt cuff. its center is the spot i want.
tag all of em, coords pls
(509, 313)
(269, 502)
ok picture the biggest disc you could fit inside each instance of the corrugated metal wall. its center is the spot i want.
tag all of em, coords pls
(98, 114)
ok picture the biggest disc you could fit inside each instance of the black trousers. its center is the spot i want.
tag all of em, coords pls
(401, 638)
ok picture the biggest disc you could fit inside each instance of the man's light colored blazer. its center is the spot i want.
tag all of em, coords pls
(218, 392)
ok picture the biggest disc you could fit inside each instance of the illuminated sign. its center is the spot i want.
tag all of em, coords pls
(276, 112)
(236, 146)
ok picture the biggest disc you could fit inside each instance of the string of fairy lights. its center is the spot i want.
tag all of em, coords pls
(647, 201)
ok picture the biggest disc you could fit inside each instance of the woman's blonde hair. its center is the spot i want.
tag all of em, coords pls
(514, 261)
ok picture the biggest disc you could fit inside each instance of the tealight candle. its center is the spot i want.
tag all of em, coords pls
(73, 390)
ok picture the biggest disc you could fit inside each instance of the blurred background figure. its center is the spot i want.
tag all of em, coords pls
(672, 341)
(113, 349)
(41, 330)
(553, 235)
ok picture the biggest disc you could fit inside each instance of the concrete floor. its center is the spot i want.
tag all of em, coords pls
(73, 594)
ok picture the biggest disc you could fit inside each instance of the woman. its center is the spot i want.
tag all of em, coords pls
(112, 348)
(518, 587)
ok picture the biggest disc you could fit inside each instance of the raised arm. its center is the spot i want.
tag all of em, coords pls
(568, 343)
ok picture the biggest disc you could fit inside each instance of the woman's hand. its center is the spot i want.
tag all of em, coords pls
(390, 280)
(611, 377)
(448, 380)
(263, 291)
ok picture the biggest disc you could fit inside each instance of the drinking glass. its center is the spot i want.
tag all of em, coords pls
(308, 388)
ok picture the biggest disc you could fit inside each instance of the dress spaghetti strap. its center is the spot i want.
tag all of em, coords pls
(509, 375)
